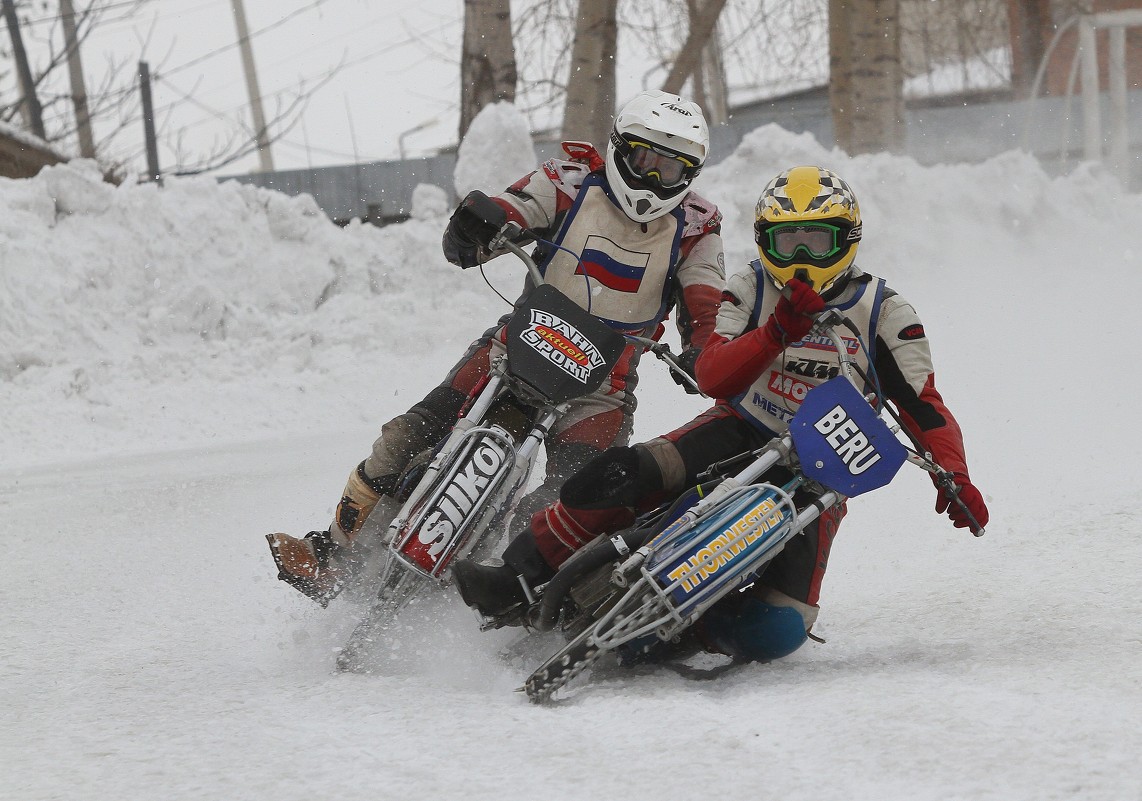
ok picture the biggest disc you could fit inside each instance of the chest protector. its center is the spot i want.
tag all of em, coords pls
(776, 395)
(614, 270)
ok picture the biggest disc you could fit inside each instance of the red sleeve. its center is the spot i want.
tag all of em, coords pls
(944, 441)
(512, 212)
(728, 366)
(701, 303)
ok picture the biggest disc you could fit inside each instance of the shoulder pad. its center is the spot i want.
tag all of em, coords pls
(702, 216)
(584, 153)
(567, 176)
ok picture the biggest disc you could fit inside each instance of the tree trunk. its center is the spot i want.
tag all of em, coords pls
(866, 87)
(487, 63)
(690, 56)
(590, 107)
(709, 79)
(24, 71)
(1030, 29)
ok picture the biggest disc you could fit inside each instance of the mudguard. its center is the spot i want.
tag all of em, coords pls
(559, 350)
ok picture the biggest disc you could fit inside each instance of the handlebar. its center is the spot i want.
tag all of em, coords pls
(946, 482)
(505, 240)
(662, 351)
(826, 324)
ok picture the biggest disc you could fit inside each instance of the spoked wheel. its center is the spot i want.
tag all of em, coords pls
(399, 586)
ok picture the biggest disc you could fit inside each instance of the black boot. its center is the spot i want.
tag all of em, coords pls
(495, 591)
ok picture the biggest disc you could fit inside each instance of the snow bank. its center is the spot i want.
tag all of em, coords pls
(135, 318)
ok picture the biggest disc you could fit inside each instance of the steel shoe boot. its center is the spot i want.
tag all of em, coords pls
(310, 564)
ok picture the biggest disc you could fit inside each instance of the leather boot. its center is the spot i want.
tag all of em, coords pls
(497, 590)
(319, 564)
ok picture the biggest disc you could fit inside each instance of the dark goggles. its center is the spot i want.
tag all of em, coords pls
(816, 240)
(656, 165)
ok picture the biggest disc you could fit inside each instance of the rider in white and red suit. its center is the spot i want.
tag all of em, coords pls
(759, 364)
(632, 242)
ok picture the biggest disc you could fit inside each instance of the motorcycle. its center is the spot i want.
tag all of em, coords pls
(654, 581)
(457, 496)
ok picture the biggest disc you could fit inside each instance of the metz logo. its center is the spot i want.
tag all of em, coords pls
(847, 440)
(725, 547)
(444, 519)
(562, 344)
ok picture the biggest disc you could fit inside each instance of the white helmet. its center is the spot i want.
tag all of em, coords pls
(658, 146)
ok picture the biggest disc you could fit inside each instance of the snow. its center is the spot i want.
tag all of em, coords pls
(496, 151)
(185, 369)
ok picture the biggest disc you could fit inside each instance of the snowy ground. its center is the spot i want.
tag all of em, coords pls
(185, 370)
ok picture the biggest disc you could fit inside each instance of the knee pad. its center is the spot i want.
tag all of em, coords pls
(620, 476)
(754, 630)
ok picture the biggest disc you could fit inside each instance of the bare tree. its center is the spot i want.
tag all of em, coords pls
(590, 106)
(689, 58)
(866, 87)
(57, 39)
(709, 80)
(487, 64)
(114, 103)
(30, 101)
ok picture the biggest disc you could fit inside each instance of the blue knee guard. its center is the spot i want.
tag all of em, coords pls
(755, 630)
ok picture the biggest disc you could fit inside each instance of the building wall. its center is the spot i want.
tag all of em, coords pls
(1060, 60)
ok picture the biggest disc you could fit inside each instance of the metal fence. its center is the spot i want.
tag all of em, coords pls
(936, 132)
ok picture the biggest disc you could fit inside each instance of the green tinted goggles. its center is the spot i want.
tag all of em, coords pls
(816, 240)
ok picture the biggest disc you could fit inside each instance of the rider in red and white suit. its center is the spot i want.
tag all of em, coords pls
(759, 364)
(624, 238)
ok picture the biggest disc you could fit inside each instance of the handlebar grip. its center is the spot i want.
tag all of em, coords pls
(948, 485)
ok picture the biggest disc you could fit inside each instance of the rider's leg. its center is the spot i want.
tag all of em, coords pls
(607, 494)
(773, 617)
(601, 498)
(320, 563)
(590, 426)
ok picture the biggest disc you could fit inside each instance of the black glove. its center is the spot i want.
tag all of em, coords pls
(686, 360)
(472, 226)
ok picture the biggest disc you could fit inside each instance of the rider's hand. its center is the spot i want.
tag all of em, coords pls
(972, 499)
(793, 317)
(472, 226)
(686, 361)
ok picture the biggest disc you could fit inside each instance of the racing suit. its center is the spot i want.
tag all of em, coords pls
(626, 273)
(758, 384)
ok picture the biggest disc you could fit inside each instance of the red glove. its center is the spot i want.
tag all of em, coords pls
(793, 317)
(972, 499)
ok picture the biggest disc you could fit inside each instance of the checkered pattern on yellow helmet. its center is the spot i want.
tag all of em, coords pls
(804, 199)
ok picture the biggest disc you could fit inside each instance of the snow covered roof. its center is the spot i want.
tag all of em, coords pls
(22, 155)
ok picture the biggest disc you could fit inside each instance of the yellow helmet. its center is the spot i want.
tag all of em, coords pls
(807, 226)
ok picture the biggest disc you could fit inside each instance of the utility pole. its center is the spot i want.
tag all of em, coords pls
(27, 84)
(149, 124)
(78, 87)
(265, 157)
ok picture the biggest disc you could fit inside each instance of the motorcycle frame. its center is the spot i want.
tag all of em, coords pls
(509, 479)
(647, 606)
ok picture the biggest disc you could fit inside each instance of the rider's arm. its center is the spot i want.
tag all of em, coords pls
(738, 351)
(532, 201)
(904, 368)
(701, 279)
